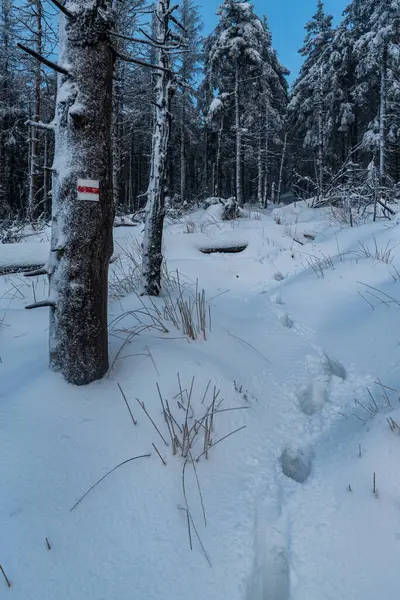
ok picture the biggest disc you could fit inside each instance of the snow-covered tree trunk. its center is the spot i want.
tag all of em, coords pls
(260, 172)
(320, 158)
(239, 191)
(183, 149)
(81, 243)
(156, 192)
(217, 174)
(382, 119)
(266, 166)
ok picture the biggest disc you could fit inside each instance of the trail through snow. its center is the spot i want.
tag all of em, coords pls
(289, 503)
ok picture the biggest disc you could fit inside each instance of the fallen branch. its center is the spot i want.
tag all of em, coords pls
(10, 270)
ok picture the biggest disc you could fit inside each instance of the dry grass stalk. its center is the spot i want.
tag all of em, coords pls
(127, 405)
(384, 254)
(141, 404)
(106, 475)
(161, 458)
(5, 577)
(393, 425)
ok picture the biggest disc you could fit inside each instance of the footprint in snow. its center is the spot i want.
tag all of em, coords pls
(270, 577)
(313, 397)
(296, 463)
(286, 321)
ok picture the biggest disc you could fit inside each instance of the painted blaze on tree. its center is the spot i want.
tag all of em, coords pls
(81, 244)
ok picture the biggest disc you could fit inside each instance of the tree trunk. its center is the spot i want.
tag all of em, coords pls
(382, 122)
(34, 210)
(156, 192)
(81, 244)
(239, 190)
(320, 142)
(266, 165)
(183, 150)
(46, 207)
(281, 169)
(217, 175)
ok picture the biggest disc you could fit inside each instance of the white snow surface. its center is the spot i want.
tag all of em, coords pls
(297, 339)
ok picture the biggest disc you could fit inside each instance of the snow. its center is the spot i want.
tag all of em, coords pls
(297, 339)
(27, 254)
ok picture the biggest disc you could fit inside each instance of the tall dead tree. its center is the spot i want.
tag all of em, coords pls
(82, 214)
(165, 87)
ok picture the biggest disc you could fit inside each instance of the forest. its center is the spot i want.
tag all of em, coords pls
(237, 129)
(199, 288)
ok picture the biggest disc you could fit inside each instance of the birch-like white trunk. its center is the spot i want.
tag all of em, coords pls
(156, 191)
(81, 242)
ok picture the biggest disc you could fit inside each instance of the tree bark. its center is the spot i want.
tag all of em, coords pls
(81, 243)
(382, 121)
(217, 174)
(281, 169)
(183, 148)
(239, 190)
(157, 189)
(34, 156)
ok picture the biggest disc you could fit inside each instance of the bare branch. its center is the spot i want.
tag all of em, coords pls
(40, 125)
(41, 304)
(45, 61)
(177, 23)
(62, 8)
(151, 43)
(129, 59)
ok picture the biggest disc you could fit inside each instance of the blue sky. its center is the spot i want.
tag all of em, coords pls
(286, 19)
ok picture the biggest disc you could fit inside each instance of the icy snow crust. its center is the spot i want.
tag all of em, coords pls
(277, 330)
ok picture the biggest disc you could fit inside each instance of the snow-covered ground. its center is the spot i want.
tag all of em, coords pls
(301, 366)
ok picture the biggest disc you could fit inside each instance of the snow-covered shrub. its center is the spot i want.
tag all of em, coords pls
(212, 201)
(231, 210)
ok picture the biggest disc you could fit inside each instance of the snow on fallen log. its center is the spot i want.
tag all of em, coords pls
(17, 258)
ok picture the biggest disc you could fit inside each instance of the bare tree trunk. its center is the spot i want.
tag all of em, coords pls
(382, 122)
(266, 165)
(217, 176)
(46, 208)
(81, 244)
(281, 169)
(261, 159)
(34, 146)
(239, 190)
(156, 192)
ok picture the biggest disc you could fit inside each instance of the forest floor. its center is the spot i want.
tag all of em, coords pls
(299, 370)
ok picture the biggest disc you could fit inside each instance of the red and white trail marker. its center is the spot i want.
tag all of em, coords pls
(88, 189)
